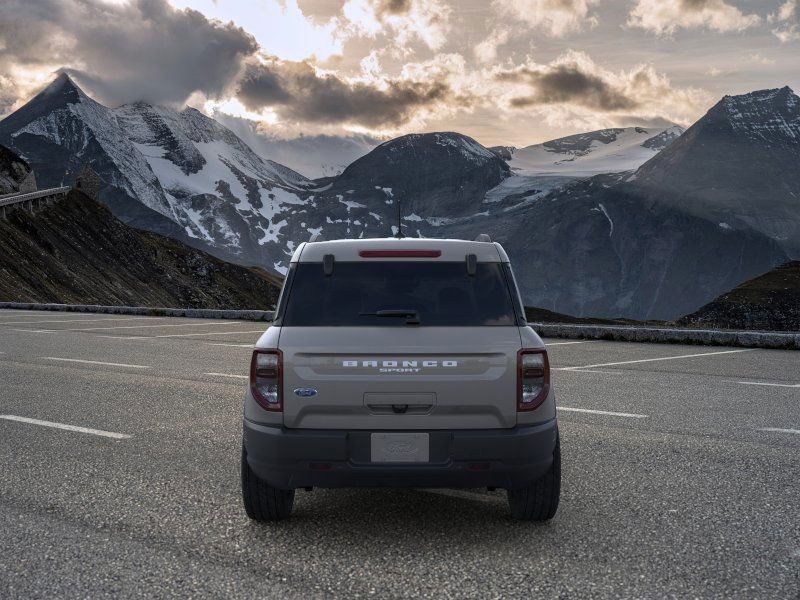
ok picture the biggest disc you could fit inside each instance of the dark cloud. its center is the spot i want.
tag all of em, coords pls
(393, 7)
(297, 92)
(567, 83)
(695, 4)
(141, 50)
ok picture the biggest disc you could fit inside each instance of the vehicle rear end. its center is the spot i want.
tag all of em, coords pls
(400, 363)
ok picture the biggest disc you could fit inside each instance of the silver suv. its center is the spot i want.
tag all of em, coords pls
(405, 363)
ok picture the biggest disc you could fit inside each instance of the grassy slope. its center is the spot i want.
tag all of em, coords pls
(770, 301)
(75, 251)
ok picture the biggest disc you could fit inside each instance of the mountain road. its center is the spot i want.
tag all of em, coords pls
(120, 445)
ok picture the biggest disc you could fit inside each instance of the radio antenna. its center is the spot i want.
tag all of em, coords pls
(399, 221)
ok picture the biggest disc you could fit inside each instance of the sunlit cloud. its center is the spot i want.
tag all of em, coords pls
(279, 26)
(554, 17)
(665, 17)
(787, 19)
(574, 84)
(405, 21)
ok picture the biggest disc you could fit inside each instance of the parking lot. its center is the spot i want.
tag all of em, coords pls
(119, 453)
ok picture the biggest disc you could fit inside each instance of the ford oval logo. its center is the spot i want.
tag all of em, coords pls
(305, 392)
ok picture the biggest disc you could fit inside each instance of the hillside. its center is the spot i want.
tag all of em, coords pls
(738, 166)
(768, 302)
(75, 251)
(13, 171)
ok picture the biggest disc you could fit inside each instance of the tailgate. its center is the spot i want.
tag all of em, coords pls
(400, 378)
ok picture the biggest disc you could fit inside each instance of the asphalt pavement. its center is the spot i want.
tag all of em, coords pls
(119, 455)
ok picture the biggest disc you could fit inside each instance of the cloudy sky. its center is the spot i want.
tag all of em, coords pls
(503, 71)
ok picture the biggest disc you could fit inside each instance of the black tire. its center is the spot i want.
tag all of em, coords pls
(262, 502)
(539, 501)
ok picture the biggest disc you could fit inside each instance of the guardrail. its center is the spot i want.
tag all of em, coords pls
(662, 335)
(15, 198)
(197, 313)
(672, 335)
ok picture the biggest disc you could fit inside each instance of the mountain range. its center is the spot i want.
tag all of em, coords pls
(632, 222)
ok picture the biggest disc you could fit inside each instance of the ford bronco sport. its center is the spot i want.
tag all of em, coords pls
(400, 362)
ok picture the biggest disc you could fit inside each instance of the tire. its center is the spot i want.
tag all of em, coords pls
(539, 501)
(262, 502)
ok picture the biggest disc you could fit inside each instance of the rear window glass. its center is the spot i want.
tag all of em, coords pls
(440, 293)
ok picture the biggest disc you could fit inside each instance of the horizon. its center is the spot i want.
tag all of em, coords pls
(508, 72)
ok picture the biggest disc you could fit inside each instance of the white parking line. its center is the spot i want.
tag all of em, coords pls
(644, 360)
(95, 362)
(569, 343)
(228, 375)
(140, 327)
(571, 370)
(602, 412)
(787, 385)
(229, 345)
(195, 334)
(779, 430)
(100, 432)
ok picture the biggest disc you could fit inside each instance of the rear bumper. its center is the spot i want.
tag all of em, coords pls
(504, 458)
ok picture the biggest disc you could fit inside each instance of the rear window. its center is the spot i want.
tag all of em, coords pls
(440, 293)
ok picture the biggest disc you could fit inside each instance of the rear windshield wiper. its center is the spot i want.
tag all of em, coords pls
(411, 316)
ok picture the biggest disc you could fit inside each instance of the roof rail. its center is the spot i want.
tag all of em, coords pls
(483, 237)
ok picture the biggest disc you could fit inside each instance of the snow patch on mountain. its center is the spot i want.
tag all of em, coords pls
(593, 153)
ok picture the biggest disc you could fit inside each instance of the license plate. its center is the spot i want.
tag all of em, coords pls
(400, 447)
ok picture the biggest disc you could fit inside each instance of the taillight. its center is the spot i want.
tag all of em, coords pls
(266, 378)
(533, 380)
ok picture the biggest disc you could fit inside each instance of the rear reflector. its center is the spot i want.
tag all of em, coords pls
(400, 253)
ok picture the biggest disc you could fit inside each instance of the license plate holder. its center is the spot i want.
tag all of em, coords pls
(400, 447)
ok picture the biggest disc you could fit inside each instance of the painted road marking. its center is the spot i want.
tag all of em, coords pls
(601, 412)
(100, 432)
(229, 345)
(174, 335)
(644, 360)
(569, 343)
(195, 334)
(779, 430)
(571, 370)
(95, 362)
(140, 327)
(787, 385)
(228, 375)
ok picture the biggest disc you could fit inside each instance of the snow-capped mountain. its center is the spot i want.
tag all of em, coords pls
(177, 172)
(593, 153)
(541, 168)
(738, 166)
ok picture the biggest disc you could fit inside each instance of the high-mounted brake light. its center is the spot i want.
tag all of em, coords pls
(533, 379)
(266, 379)
(400, 253)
